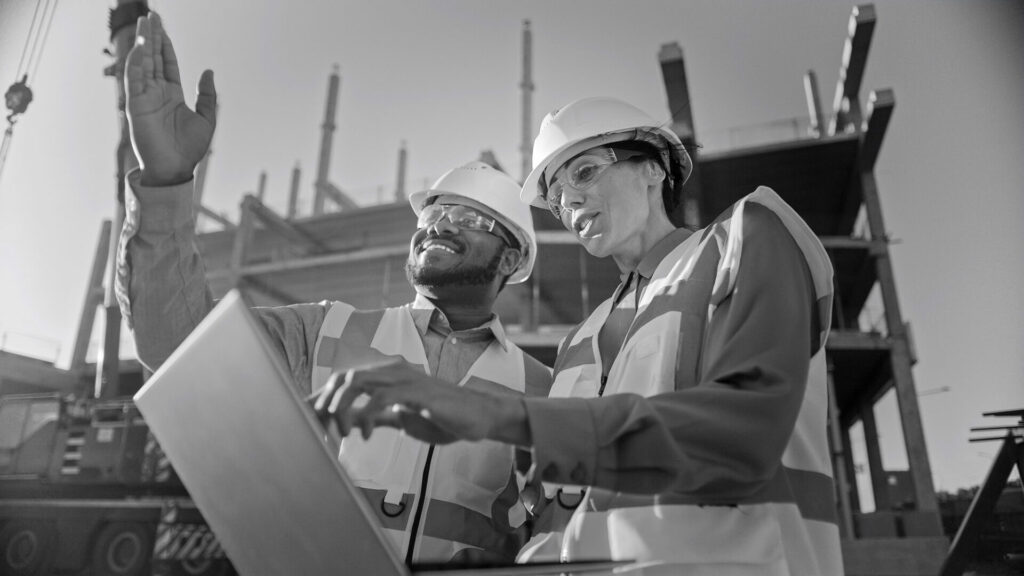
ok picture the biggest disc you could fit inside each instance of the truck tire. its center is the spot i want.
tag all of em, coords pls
(122, 549)
(26, 547)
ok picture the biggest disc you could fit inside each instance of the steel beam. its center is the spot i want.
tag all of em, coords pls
(526, 86)
(323, 166)
(293, 192)
(281, 226)
(814, 104)
(204, 211)
(293, 264)
(93, 298)
(329, 190)
(403, 156)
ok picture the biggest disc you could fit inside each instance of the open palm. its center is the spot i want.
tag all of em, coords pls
(168, 137)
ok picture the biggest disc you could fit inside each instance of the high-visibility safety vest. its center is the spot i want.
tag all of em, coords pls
(440, 501)
(788, 528)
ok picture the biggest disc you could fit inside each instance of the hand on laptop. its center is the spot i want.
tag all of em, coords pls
(399, 395)
(169, 139)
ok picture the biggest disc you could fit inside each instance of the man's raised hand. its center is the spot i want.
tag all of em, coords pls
(169, 138)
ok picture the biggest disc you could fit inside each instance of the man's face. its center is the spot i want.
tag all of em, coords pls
(610, 214)
(444, 254)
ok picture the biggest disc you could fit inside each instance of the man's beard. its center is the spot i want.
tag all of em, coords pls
(461, 275)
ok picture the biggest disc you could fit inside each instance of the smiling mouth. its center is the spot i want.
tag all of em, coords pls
(582, 225)
(432, 244)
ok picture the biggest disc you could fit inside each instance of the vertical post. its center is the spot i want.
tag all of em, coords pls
(850, 467)
(526, 85)
(903, 377)
(879, 486)
(326, 140)
(240, 246)
(814, 104)
(673, 71)
(93, 297)
(293, 192)
(400, 180)
(261, 188)
(839, 449)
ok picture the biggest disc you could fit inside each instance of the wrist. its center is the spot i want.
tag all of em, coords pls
(510, 424)
(154, 179)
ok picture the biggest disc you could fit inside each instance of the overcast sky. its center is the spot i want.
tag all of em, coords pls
(443, 76)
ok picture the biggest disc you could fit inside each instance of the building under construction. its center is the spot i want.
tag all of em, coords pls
(826, 173)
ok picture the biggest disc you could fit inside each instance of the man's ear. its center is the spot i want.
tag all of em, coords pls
(510, 260)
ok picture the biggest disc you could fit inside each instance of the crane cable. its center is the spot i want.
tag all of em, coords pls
(19, 95)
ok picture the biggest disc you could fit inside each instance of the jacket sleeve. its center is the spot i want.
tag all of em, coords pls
(162, 289)
(721, 439)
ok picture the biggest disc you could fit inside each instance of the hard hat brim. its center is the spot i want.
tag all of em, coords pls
(530, 193)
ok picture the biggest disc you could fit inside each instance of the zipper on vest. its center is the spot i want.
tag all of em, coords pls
(604, 380)
(419, 507)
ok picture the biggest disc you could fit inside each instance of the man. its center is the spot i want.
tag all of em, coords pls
(438, 503)
(692, 402)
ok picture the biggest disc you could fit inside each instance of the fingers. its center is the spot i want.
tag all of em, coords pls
(157, 34)
(166, 57)
(144, 40)
(206, 98)
(135, 73)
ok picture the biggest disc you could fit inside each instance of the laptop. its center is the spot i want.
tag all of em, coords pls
(262, 469)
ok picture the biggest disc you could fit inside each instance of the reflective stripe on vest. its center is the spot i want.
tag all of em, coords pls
(795, 510)
(472, 495)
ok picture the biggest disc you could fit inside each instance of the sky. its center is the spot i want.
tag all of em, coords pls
(443, 77)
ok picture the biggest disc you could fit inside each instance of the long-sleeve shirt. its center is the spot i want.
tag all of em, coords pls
(718, 438)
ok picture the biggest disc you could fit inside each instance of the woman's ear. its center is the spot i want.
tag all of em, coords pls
(655, 171)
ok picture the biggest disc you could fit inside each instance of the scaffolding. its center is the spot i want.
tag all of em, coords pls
(826, 173)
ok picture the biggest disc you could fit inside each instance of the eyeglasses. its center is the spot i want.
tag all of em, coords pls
(582, 172)
(464, 217)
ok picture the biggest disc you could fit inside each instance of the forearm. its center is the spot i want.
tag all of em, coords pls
(161, 278)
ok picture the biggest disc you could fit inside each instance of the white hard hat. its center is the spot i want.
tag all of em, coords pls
(591, 122)
(497, 192)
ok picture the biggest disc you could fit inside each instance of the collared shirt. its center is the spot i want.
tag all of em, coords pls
(628, 294)
(163, 294)
(451, 353)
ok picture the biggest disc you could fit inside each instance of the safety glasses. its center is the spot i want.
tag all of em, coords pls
(464, 217)
(581, 173)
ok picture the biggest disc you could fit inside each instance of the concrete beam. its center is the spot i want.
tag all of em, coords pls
(846, 104)
(879, 111)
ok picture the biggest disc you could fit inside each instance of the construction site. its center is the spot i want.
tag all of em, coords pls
(87, 490)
